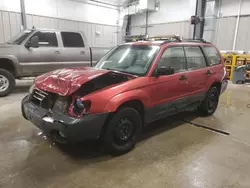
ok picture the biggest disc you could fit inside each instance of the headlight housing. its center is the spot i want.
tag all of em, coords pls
(79, 108)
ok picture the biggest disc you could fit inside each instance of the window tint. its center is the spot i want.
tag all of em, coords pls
(71, 39)
(46, 39)
(173, 57)
(195, 57)
(213, 57)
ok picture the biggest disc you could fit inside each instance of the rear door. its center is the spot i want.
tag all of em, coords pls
(74, 51)
(45, 58)
(198, 70)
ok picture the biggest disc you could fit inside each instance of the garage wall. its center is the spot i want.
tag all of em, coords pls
(226, 26)
(62, 14)
(172, 18)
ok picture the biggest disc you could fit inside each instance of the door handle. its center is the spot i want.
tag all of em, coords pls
(182, 77)
(209, 72)
(57, 52)
(82, 52)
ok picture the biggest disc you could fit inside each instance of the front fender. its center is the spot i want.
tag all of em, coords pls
(15, 63)
(121, 98)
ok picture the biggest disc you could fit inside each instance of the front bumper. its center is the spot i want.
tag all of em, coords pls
(75, 130)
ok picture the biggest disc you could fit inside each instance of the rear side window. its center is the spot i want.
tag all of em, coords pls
(173, 57)
(195, 57)
(46, 39)
(213, 57)
(72, 40)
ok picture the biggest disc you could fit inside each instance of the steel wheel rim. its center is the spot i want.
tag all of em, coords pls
(4, 83)
(124, 131)
(212, 101)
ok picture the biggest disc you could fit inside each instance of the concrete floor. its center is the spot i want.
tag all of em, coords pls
(175, 154)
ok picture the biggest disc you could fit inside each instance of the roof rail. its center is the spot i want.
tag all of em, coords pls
(194, 40)
(166, 37)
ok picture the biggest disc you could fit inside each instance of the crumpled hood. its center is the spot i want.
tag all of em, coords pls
(68, 80)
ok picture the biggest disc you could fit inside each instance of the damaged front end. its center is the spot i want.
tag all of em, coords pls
(69, 116)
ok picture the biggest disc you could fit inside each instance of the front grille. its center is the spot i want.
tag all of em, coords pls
(42, 98)
(52, 101)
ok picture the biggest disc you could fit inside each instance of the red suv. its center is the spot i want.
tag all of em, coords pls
(132, 85)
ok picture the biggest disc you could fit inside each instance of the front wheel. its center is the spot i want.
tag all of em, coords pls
(123, 131)
(7, 82)
(210, 103)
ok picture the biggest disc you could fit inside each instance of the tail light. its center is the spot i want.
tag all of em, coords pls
(79, 108)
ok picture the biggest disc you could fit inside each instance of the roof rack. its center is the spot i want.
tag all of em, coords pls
(166, 38)
(135, 38)
(194, 40)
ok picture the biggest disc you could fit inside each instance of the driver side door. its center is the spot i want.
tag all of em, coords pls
(46, 57)
(167, 91)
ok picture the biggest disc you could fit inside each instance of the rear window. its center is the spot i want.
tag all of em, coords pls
(213, 57)
(72, 40)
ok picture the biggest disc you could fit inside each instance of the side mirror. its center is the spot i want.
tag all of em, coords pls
(33, 42)
(165, 70)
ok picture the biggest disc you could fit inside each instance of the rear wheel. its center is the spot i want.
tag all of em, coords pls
(210, 103)
(123, 131)
(7, 82)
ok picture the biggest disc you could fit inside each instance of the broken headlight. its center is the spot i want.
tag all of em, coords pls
(79, 108)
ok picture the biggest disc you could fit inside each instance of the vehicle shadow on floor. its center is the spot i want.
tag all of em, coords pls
(88, 150)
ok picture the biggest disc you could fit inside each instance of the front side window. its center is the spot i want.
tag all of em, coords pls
(173, 57)
(72, 40)
(46, 39)
(133, 59)
(195, 57)
(213, 57)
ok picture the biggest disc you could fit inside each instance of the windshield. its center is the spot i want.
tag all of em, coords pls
(130, 59)
(20, 37)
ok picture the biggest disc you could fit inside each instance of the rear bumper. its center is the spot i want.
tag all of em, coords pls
(224, 85)
(75, 130)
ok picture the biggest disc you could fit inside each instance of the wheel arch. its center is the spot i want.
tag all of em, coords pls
(127, 99)
(10, 64)
(218, 85)
(134, 98)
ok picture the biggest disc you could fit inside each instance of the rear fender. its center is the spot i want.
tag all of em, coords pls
(119, 99)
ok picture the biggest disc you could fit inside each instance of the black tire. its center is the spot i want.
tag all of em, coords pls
(116, 142)
(11, 82)
(210, 103)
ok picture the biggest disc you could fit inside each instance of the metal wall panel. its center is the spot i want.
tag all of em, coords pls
(107, 37)
(183, 29)
(243, 37)
(1, 28)
(137, 30)
(225, 33)
(6, 25)
(10, 25)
